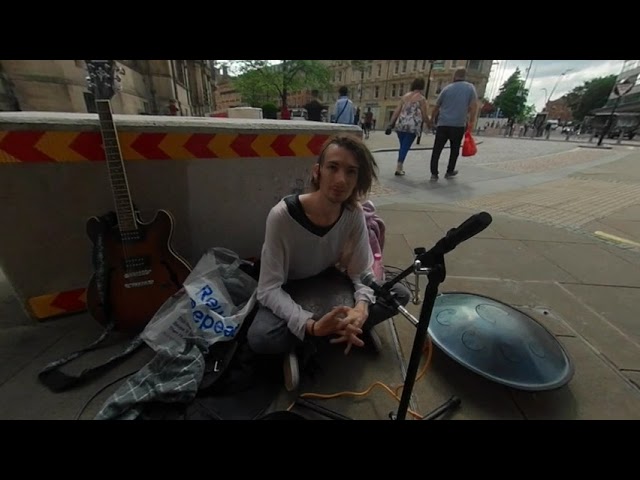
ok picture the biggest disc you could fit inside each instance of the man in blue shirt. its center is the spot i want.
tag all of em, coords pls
(344, 109)
(455, 109)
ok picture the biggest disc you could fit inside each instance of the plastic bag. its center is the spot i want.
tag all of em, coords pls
(215, 299)
(469, 148)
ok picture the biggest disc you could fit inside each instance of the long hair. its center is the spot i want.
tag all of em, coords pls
(367, 166)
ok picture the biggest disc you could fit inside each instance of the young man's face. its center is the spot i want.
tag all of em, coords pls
(338, 174)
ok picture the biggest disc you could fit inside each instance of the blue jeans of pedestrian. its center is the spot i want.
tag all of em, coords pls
(406, 140)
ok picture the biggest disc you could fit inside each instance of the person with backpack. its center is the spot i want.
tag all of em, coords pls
(408, 120)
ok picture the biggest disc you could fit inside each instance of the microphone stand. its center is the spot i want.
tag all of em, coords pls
(432, 264)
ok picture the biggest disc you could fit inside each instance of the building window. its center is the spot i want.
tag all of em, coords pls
(415, 65)
(379, 74)
(454, 63)
(179, 68)
(424, 64)
(376, 92)
(369, 69)
(340, 76)
(393, 90)
(438, 64)
(404, 66)
(401, 92)
(397, 67)
(475, 64)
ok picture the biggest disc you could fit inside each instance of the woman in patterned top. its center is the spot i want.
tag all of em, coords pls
(409, 118)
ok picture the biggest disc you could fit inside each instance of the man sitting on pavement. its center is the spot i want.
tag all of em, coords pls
(308, 236)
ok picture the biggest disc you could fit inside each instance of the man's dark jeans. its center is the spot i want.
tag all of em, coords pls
(443, 134)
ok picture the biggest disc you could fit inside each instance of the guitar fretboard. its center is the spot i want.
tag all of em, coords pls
(117, 174)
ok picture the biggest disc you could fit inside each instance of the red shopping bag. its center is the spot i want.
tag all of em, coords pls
(469, 148)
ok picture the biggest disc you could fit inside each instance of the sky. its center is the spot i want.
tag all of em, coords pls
(547, 74)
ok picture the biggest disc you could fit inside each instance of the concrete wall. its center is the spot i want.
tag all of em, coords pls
(218, 177)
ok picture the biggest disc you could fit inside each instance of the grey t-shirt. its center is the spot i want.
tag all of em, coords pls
(454, 102)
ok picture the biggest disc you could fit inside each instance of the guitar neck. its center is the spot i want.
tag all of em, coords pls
(115, 165)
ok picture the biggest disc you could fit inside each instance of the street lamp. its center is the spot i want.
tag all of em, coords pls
(545, 98)
(558, 81)
(426, 93)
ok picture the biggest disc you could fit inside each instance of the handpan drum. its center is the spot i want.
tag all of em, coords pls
(498, 342)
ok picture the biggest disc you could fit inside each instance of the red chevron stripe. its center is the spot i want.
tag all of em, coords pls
(70, 300)
(242, 145)
(316, 143)
(89, 145)
(147, 145)
(21, 145)
(281, 145)
(197, 144)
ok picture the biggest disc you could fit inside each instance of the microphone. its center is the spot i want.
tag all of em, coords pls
(369, 279)
(467, 229)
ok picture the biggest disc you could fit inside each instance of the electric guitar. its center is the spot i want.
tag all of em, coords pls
(140, 270)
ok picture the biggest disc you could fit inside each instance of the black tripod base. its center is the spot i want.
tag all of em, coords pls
(452, 403)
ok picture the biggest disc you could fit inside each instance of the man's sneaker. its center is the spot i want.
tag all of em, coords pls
(451, 174)
(291, 370)
(434, 178)
(372, 340)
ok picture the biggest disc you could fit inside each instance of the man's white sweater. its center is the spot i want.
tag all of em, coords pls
(292, 252)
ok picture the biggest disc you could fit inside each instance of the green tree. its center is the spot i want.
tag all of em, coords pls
(527, 115)
(260, 82)
(512, 97)
(589, 96)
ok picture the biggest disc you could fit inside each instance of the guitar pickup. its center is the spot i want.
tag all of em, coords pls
(139, 273)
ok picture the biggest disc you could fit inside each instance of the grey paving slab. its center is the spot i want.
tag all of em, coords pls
(596, 392)
(397, 251)
(600, 333)
(619, 305)
(512, 259)
(588, 263)
(513, 229)
(628, 213)
(22, 396)
(630, 229)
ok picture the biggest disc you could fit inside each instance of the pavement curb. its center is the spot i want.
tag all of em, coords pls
(412, 149)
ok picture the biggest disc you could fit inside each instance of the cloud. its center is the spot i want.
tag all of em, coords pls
(547, 74)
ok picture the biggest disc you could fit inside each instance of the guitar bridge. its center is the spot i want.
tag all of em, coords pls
(144, 283)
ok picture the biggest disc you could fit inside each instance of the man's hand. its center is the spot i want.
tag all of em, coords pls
(352, 323)
(333, 322)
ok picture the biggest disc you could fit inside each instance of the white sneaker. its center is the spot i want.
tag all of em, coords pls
(291, 370)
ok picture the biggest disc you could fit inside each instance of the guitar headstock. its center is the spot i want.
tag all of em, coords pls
(104, 78)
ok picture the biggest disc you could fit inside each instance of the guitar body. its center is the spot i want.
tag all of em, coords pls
(142, 272)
